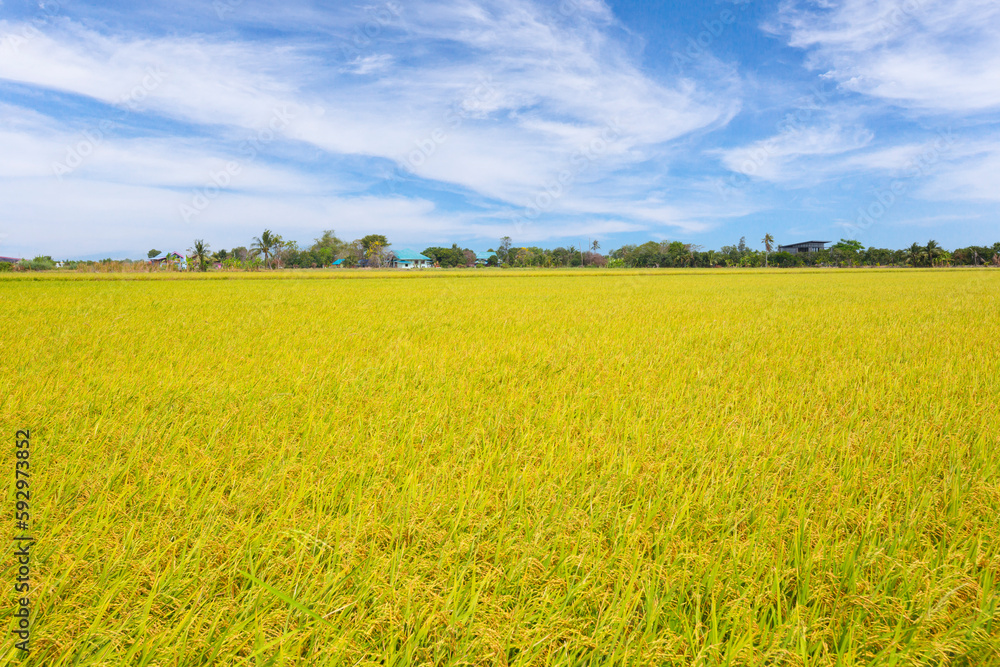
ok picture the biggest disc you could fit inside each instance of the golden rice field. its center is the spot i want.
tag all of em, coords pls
(508, 468)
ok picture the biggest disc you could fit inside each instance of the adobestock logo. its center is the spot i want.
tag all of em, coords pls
(556, 188)
(886, 198)
(94, 137)
(218, 181)
(713, 28)
(484, 94)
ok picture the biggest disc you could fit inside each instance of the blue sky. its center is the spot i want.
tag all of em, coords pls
(124, 129)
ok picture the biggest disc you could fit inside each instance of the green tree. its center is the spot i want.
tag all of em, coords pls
(153, 253)
(374, 247)
(933, 252)
(847, 252)
(450, 257)
(265, 244)
(288, 253)
(768, 242)
(848, 246)
(200, 250)
(353, 253)
(503, 252)
(371, 240)
(327, 247)
(915, 254)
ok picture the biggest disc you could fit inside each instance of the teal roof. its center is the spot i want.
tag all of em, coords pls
(338, 262)
(485, 255)
(407, 255)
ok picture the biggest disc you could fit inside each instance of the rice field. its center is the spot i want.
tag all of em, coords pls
(508, 468)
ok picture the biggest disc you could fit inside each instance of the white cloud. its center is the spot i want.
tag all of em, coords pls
(363, 65)
(531, 89)
(930, 55)
(79, 217)
(976, 177)
(779, 158)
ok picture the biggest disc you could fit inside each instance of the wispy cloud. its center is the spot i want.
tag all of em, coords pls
(780, 158)
(524, 89)
(363, 65)
(924, 54)
(481, 118)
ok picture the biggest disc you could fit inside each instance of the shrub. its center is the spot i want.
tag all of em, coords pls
(40, 263)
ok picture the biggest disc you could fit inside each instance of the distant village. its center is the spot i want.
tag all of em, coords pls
(270, 251)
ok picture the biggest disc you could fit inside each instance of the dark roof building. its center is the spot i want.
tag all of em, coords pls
(805, 246)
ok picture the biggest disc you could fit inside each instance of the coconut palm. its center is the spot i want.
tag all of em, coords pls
(915, 254)
(200, 250)
(264, 243)
(768, 242)
(933, 251)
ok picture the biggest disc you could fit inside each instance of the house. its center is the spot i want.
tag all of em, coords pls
(483, 258)
(170, 258)
(10, 260)
(805, 246)
(408, 259)
(339, 264)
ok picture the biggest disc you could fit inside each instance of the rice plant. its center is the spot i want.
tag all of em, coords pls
(510, 468)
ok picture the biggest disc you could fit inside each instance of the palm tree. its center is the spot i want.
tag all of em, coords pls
(200, 250)
(915, 253)
(933, 251)
(263, 244)
(768, 242)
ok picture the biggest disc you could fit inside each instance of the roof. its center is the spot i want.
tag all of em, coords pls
(485, 255)
(12, 260)
(407, 255)
(787, 245)
(338, 262)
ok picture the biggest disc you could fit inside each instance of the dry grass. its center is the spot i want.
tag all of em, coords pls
(526, 468)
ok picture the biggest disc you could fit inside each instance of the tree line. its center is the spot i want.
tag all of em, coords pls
(845, 253)
(271, 251)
